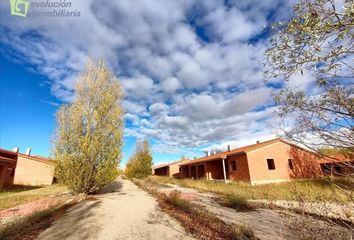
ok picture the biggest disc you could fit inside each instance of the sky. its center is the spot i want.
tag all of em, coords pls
(191, 71)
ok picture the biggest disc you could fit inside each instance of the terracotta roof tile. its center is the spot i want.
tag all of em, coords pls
(337, 158)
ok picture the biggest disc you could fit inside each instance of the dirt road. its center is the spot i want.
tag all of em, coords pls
(122, 211)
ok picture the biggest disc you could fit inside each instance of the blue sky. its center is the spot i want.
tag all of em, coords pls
(191, 71)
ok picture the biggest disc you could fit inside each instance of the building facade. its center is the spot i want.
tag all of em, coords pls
(33, 171)
(24, 169)
(169, 170)
(271, 161)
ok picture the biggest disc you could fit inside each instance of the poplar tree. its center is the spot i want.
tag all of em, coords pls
(140, 163)
(88, 137)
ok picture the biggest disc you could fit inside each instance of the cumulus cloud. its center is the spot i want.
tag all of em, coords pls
(191, 69)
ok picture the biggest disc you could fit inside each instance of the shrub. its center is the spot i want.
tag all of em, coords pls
(241, 232)
(237, 202)
(175, 198)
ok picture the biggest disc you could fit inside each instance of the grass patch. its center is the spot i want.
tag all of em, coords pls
(30, 227)
(237, 202)
(22, 194)
(326, 190)
(195, 219)
(175, 199)
(240, 232)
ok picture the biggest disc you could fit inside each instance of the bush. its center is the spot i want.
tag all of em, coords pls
(175, 198)
(237, 202)
(243, 233)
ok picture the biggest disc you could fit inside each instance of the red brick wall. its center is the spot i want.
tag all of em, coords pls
(242, 172)
(214, 170)
(306, 165)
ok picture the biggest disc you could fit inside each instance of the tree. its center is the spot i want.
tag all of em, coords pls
(140, 163)
(318, 40)
(88, 137)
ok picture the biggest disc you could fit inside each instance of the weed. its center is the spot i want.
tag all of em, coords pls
(236, 202)
(308, 190)
(195, 219)
(175, 198)
(241, 232)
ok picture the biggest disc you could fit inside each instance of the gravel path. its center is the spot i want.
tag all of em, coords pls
(122, 211)
(267, 224)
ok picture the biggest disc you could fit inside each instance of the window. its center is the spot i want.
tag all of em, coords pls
(290, 163)
(271, 165)
(326, 168)
(233, 166)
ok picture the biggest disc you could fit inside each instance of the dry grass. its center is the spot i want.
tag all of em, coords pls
(31, 226)
(22, 194)
(195, 219)
(307, 190)
(175, 199)
(236, 202)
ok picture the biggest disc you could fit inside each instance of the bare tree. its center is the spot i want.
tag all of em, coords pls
(319, 39)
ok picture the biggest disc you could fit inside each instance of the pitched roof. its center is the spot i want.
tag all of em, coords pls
(345, 158)
(236, 151)
(7, 156)
(160, 166)
(169, 164)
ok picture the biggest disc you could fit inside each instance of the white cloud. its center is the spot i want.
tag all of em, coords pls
(181, 88)
(300, 81)
(230, 24)
(157, 108)
(170, 85)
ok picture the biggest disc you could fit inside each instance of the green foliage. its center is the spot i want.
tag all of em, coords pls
(88, 138)
(140, 163)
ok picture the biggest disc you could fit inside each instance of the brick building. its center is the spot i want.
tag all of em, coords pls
(33, 170)
(276, 160)
(8, 160)
(24, 169)
(338, 165)
(169, 170)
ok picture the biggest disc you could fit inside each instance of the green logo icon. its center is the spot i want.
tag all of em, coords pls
(19, 7)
